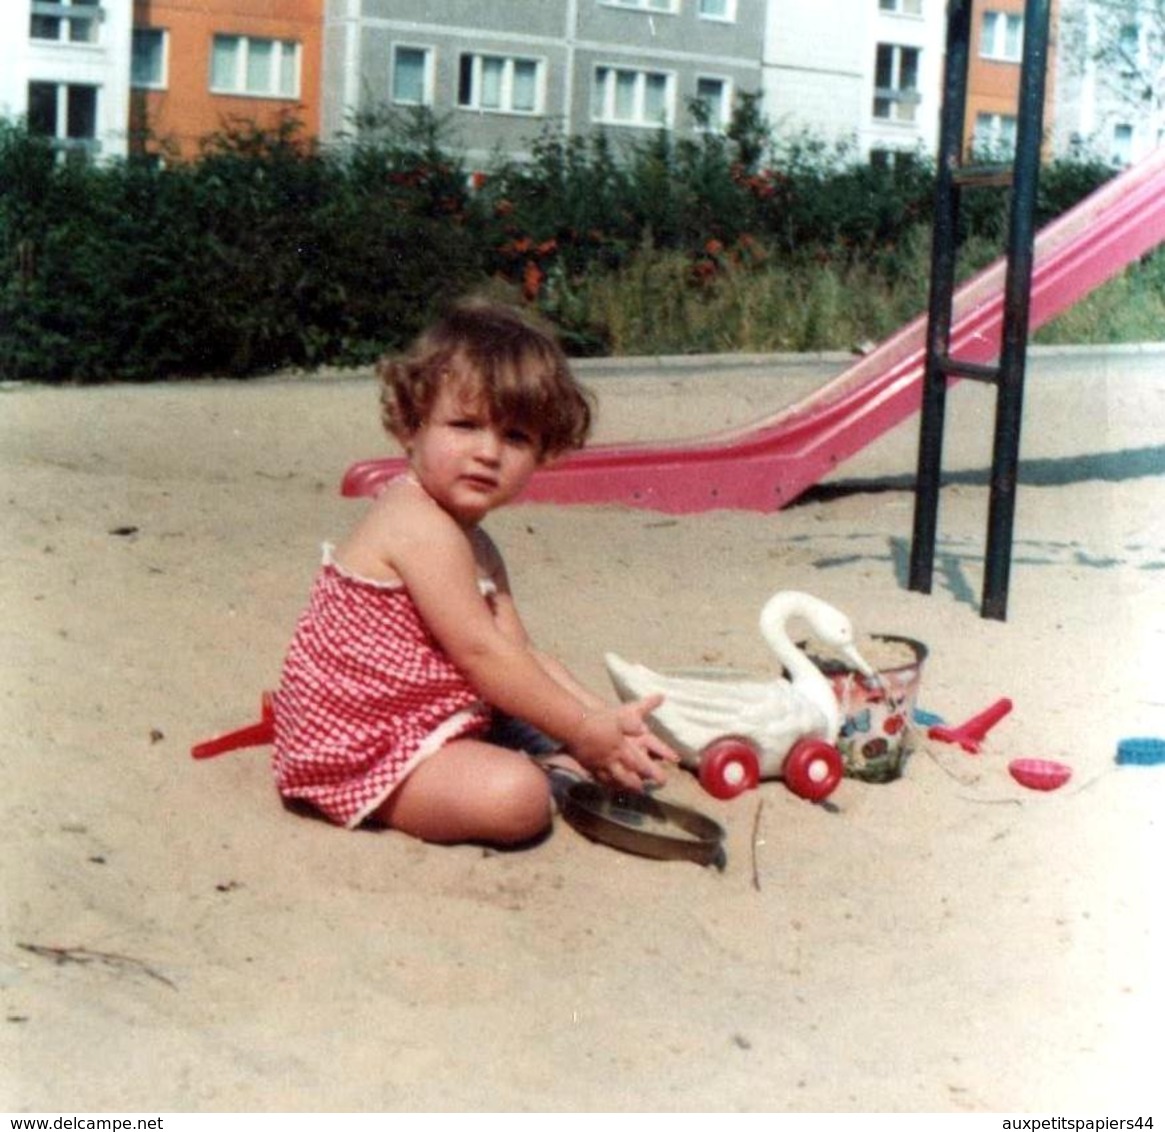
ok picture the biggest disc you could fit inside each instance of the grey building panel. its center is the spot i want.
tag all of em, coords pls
(637, 28)
(684, 75)
(531, 17)
(568, 39)
(334, 68)
(476, 130)
(684, 32)
(376, 44)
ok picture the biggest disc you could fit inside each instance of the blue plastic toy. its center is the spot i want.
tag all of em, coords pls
(1140, 752)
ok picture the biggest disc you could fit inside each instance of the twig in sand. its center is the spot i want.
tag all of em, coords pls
(62, 955)
(943, 767)
(755, 839)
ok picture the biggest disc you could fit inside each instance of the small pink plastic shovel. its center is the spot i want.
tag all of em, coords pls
(970, 734)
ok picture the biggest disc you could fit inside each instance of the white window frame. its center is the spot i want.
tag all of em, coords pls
(902, 102)
(996, 34)
(604, 103)
(506, 87)
(652, 7)
(60, 135)
(901, 7)
(994, 135)
(68, 13)
(884, 157)
(163, 81)
(1123, 136)
(728, 16)
(238, 86)
(1131, 44)
(427, 81)
(718, 122)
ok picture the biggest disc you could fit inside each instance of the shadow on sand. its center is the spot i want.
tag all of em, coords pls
(1058, 471)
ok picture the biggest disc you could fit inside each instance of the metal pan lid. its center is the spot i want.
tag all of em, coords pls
(639, 823)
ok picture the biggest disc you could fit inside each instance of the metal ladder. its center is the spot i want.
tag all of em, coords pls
(1008, 376)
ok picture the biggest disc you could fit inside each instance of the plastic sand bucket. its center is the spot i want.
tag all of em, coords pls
(876, 736)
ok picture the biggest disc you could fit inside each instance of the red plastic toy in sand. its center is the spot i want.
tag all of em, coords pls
(1039, 774)
(971, 734)
(254, 735)
(812, 769)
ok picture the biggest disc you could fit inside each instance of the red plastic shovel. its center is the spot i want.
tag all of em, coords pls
(970, 734)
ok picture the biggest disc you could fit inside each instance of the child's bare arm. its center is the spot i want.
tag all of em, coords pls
(510, 623)
(558, 671)
(435, 560)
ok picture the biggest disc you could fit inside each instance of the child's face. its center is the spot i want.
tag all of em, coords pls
(468, 462)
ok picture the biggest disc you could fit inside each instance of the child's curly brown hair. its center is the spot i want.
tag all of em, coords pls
(516, 367)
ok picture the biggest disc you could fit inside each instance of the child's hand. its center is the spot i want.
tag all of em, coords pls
(618, 748)
(657, 748)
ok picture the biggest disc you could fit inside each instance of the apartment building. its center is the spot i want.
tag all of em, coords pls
(64, 67)
(1111, 62)
(198, 67)
(993, 79)
(109, 77)
(989, 129)
(867, 72)
(501, 73)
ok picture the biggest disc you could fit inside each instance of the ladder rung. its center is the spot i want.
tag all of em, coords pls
(974, 176)
(952, 367)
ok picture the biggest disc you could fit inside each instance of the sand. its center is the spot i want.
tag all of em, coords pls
(174, 940)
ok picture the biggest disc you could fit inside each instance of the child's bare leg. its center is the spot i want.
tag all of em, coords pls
(471, 791)
(518, 735)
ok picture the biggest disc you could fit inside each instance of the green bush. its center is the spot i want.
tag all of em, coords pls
(263, 254)
(269, 252)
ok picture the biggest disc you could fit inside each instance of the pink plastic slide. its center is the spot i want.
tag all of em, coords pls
(767, 464)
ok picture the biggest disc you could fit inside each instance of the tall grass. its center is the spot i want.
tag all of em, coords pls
(1128, 308)
(660, 304)
(654, 306)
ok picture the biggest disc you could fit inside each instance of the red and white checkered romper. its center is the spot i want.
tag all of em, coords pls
(366, 694)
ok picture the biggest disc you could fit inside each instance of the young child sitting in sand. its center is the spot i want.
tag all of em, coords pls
(410, 670)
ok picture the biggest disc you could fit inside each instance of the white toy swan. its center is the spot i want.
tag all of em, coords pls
(734, 732)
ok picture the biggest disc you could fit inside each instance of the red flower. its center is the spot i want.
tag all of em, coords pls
(531, 280)
(703, 270)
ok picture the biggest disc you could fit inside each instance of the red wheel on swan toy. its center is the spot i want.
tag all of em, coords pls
(812, 769)
(728, 767)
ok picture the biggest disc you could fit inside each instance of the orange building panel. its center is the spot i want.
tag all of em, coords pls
(214, 62)
(993, 71)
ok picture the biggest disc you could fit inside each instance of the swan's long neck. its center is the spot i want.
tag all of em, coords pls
(805, 676)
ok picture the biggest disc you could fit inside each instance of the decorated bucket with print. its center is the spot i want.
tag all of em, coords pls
(876, 735)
